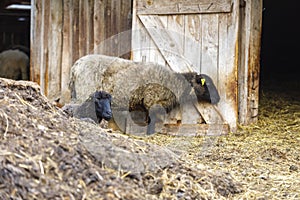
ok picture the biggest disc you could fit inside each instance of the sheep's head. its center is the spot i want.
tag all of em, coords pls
(102, 101)
(203, 86)
(205, 89)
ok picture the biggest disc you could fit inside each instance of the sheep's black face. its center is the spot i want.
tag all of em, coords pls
(205, 89)
(103, 105)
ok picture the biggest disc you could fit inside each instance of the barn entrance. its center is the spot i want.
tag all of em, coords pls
(14, 23)
(15, 26)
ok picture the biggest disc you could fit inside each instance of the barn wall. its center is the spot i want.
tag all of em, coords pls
(64, 30)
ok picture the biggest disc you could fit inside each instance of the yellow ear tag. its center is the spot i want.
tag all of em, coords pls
(202, 81)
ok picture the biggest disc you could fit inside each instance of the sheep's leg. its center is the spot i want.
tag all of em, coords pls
(151, 126)
(156, 117)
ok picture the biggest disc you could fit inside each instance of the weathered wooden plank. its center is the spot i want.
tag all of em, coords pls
(193, 41)
(136, 35)
(115, 27)
(55, 49)
(89, 13)
(210, 40)
(194, 130)
(183, 6)
(44, 63)
(108, 12)
(164, 42)
(210, 113)
(231, 111)
(223, 73)
(141, 42)
(82, 28)
(99, 23)
(44, 48)
(75, 29)
(175, 26)
(125, 29)
(154, 53)
(249, 61)
(66, 52)
(35, 38)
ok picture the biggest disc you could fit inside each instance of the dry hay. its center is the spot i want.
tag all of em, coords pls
(46, 155)
(264, 157)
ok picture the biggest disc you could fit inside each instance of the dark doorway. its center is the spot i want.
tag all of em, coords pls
(14, 23)
(280, 41)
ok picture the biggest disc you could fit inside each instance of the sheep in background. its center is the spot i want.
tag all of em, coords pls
(14, 64)
(22, 48)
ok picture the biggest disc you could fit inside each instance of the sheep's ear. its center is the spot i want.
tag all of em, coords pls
(202, 81)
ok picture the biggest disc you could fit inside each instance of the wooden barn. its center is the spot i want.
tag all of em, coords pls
(220, 38)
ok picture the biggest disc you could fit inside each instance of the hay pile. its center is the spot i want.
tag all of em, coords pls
(264, 157)
(46, 155)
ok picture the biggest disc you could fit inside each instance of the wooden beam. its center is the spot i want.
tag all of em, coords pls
(146, 7)
(170, 50)
(194, 130)
(249, 60)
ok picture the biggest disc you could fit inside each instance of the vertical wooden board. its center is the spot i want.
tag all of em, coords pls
(243, 67)
(115, 27)
(99, 22)
(66, 52)
(89, 13)
(175, 27)
(210, 39)
(154, 54)
(193, 40)
(35, 38)
(224, 77)
(254, 59)
(249, 61)
(44, 64)
(108, 27)
(230, 112)
(55, 49)
(75, 29)
(136, 34)
(140, 38)
(82, 28)
(125, 29)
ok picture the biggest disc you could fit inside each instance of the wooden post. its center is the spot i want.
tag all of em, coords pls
(249, 57)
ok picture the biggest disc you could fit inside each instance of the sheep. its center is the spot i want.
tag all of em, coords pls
(22, 48)
(95, 108)
(149, 95)
(136, 87)
(14, 64)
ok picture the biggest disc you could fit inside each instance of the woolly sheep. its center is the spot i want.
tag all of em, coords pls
(14, 64)
(135, 86)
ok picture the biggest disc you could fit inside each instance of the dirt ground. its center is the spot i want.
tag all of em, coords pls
(44, 154)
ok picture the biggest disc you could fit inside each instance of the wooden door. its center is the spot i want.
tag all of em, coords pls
(198, 35)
